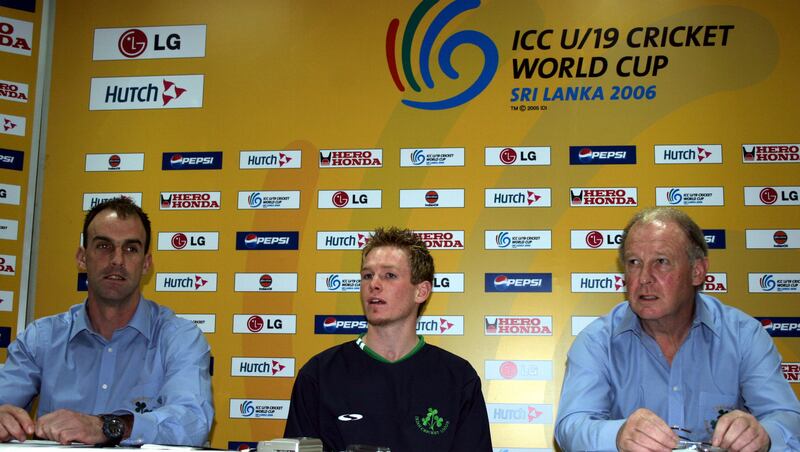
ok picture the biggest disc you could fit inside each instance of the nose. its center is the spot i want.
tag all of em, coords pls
(117, 257)
(646, 275)
(375, 284)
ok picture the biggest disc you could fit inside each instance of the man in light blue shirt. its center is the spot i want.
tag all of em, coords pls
(671, 362)
(117, 368)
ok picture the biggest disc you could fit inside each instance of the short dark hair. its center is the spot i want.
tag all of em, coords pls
(697, 249)
(124, 207)
(419, 257)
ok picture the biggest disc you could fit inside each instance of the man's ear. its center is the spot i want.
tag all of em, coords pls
(80, 258)
(148, 262)
(424, 290)
(699, 271)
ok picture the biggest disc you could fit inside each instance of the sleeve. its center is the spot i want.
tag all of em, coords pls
(583, 421)
(472, 432)
(187, 409)
(303, 418)
(21, 376)
(766, 393)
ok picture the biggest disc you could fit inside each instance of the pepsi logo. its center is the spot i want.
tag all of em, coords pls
(329, 323)
(176, 161)
(585, 154)
(501, 280)
(340, 199)
(431, 197)
(265, 280)
(132, 43)
(250, 241)
(179, 241)
(255, 323)
(508, 156)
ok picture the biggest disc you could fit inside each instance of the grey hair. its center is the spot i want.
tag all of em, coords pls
(697, 249)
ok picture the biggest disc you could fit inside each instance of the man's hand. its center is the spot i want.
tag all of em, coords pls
(645, 431)
(66, 426)
(15, 423)
(738, 431)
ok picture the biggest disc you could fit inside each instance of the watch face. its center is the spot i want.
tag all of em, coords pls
(113, 427)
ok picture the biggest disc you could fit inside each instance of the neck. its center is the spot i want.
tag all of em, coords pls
(391, 341)
(668, 335)
(106, 318)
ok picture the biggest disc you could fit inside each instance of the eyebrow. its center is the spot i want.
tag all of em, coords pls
(107, 239)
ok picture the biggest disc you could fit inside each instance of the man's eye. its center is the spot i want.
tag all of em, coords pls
(366, 276)
(391, 276)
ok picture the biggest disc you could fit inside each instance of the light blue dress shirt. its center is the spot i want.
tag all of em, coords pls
(157, 368)
(727, 362)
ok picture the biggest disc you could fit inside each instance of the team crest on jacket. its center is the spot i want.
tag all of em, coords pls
(432, 423)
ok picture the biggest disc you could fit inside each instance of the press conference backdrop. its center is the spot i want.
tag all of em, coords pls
(266, 139)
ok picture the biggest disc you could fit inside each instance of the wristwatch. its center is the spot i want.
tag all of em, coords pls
(113, 429)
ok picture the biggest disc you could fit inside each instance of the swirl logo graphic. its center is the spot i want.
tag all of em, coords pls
(418, 157)
(333, 282)
(674, 196)
(429, 36)
(254, 200)
(247, 408)
(503, 240)
(767, 282)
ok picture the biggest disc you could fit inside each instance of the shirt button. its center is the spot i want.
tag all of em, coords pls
(105, 386)
(110, 349)
(675, 388)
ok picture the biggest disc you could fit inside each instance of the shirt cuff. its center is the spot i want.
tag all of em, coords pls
(607, 435)
(144, 428)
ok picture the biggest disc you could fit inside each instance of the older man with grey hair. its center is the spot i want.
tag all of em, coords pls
(671, 363)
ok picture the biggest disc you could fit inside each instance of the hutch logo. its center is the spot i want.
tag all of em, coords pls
(431, 157)
(182, 41)
(16, 36)
(264, 324)
(442, 240)
(517, 156)
(602, 197)
(342, 240)
(598, 282)
(262, 367)
(518, 325)
(13, 91)
(254, 200)
(602, 155)
(350, 199)
(410, 199)
(772, 196)
(517, 197)
(6, 303)
(329, 158)
(692, 154)
(518, 370)
(603, 239)
(425, 44)
(269, 159)
(190, 200)
(186, 282)
(92, 199)
(441, 325)
(265, 282)
(690, 196)
(142, 93)
(12, 125)
(114, 162)
(519, 413)
(187, 241)
(770, 153)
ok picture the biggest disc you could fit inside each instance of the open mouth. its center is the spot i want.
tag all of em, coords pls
(375, 301)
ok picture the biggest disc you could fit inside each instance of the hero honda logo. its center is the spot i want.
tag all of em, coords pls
(8, 264)
(695, 154)
(518, 325)
(602, 197)
(137, 93)
(518, 282)
(450, 44)
(13, 91)
(715, 283)
(184, 41)
(191, 160)
(16, 36)
(442, 240)
(602, 155)
(330, 158)
(770, 153)
(190, 200)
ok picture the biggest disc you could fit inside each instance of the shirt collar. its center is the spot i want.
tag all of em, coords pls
(702, 316)
(141, 320)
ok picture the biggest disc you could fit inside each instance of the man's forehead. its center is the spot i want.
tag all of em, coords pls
(391, 256)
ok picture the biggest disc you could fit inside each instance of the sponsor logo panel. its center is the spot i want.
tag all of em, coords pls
(206, 322)
(339, 324)
(773, 282)
(350, 158)
(262, 367)
(12, 125)
(10, 159)
(259, 409)
(8, 229)
(791, 372)
(242, 446)
(342, 240)
(716, 283)
(270, 159)
(265, 282)
(448, 282)
(208, 200)
(517, 197)
(770, 153)
(518, 370)
(264, 324)
(267, 240)
(715, 238)
(92, 199)
(114, 162)
(772, 238)
(83, 282)
(603, 197)
(579, 322)
(186, 282)
(690, 196)
(6, 300)
(188, 241)
(250, 200)
(449, 197)
(10, 194)
(772, 196)
(338, 282)
(16, 36)
(349, 199)
(144, 43)
(417, 157)
(440, 325)
(602, 155)
(176, 161)
(598, 239)
(442, 240)
(5, 335)
(518, 282)
(598, 282)
(13, 91)
(143, 93)
(518, 325)
(517, 156)
(518, 240)
(520, 413)
(781, 326)
(8, 265)
(689, 154)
